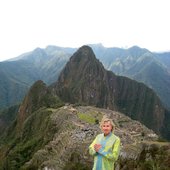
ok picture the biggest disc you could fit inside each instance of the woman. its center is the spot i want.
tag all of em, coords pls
(105, 147)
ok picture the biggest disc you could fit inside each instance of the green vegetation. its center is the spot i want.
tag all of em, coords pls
(76, 166)
(90, 117)
(86, 117)
(7, 116)
(38, 130)
(75, 163)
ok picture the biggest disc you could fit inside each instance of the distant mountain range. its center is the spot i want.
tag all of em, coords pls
(55, 124)
(153, 69)
(18, 74)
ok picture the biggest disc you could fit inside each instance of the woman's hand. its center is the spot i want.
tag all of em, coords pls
(97, 147)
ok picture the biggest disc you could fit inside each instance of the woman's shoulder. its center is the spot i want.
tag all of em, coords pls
(115, 137)
(99, 135)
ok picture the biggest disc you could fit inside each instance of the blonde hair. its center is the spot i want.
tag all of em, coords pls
(106, 119)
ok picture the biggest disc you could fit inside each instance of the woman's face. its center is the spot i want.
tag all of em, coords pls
(106, 128)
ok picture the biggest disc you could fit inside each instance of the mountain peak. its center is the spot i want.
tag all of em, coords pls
(85, 81)
(83, 62)
(84, 74)
(137, 50)
(85, 52)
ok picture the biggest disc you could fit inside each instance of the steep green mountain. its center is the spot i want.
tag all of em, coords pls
(49, 135)
(7, 116)
(46, 64)
(49, 61)
(140, 64)
(84, 80)
(157, 78)
(118, 60)
(31, 128)
(15, 80)
(18, 74)
(164, 58)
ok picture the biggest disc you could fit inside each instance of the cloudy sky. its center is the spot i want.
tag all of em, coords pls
(27, 24)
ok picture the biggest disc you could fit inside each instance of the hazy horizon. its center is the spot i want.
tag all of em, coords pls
(26, 25)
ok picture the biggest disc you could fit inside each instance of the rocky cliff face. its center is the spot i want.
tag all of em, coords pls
(32, 128)
(146, 155)
(6, 117)
(84, 80)
(38, 96)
